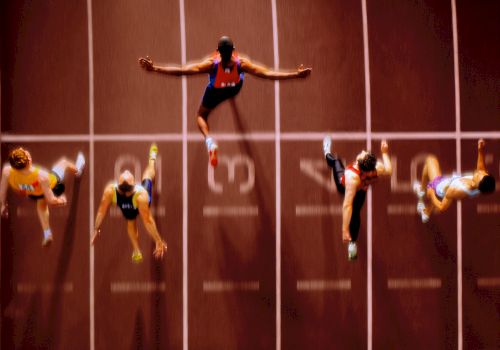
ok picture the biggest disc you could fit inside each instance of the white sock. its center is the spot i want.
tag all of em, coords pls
(327, 144)
(80, 163)
(210, 143)
(47, 233)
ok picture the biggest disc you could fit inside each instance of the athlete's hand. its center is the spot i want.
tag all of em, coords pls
(61, 200)
(346, 236)
(384, 147)
(480, 144)
(303, 72)
(161, 248)
(146, 63)
(96, 234)
(4, 210)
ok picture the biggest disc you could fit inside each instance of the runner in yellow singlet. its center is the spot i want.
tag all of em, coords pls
(44, 186)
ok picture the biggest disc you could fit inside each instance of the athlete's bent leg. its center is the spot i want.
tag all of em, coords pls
(133, 234)
(150, 171)
(63, 164)
(338, 170)
(430, 171)
(42, 210)
(202, 120)
(357, 205)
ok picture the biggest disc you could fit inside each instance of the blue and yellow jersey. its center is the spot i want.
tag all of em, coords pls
(128, 205)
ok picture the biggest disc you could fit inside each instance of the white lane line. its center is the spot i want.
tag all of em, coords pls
(414, 283)
(368, 106)
(317, 210)
(30, 288)
(253, 136)
(185, 309)
(122, 287)
(488, 282)
(316, 285)
(277, 136)
(91, 171)
(458, 147)
(218, 286)
(230, 210)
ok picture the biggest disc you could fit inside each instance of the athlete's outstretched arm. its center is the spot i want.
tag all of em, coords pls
(190, 69)
(384, 167)
(4, 185)
(263, 72)
(149, 223)
(107, 198)
(480, 155)
(351, 185)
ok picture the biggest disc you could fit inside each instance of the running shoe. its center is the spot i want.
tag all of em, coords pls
(417, 188)
(212, 155)
(352, 251)
(421, 211)
(327, 145)
(137, 257)
(80, 164)
(153, 151)
(47, 241)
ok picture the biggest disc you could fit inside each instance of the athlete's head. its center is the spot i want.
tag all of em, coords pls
(126, 182)
(366, 161)
(225, 48)
(19, 158)
(486, 182)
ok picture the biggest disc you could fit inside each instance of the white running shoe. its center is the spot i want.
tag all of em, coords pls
(47, 241)
(417, 188)
(327, 145)
(80, 164)
(352, 251)
(421, 211)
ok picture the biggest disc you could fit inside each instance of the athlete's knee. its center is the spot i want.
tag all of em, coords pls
(203, 113)
(431, 158)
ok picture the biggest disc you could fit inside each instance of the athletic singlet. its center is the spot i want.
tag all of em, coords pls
(28, 184)
(128, 205)
(225, 78)
(365, 179)
(445, 182)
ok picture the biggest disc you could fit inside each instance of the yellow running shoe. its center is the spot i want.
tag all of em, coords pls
(153, 151)
(137, 257)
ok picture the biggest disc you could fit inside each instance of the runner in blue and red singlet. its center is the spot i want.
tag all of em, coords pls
(226, 71)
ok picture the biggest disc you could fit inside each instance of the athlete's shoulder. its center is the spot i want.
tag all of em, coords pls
(244, 60)
(43, 174)
(6, 170)
(110, 188)
(142, 195)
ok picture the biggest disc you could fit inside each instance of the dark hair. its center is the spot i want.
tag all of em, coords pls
(487, 184)
(368, 162)
(19, 158)
(225, 48)
(125, 187)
